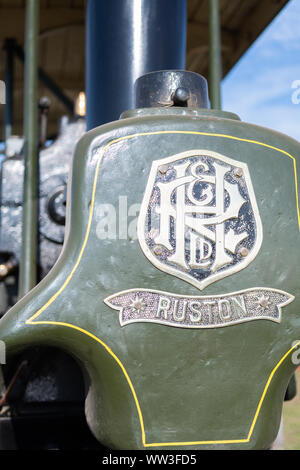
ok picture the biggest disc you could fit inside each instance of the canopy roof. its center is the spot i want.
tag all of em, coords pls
(62, 42)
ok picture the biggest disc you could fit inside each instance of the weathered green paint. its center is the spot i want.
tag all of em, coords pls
(9, 45)
(30, 199)
(215, 54)
(190, 385)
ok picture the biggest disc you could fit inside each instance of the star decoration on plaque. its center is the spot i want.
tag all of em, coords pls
(263, 303)
(138, 304)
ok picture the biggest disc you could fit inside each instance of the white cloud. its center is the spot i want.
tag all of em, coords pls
(259, 88)
(285, 28)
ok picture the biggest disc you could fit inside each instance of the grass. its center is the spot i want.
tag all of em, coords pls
(291, 420)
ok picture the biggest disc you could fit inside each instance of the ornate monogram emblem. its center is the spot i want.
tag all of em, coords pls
(199, 218)
(199, 221)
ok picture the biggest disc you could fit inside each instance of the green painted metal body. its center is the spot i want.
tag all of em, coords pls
(155, 386)
(9, 45)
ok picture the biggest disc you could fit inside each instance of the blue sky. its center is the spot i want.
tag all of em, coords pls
(259, 88)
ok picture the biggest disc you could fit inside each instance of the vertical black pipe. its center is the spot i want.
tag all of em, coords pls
(124, 40)
(9, 46)
(28, 263)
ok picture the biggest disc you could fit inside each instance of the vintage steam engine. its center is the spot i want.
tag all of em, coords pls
(172, 324)
(40, 377)
(54, 167)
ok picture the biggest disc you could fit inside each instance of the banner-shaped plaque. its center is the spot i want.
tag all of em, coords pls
(210, 311)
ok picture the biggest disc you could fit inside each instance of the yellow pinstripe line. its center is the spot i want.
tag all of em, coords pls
(192, 443)
(108, 349)
(31, 321)
(267, 386)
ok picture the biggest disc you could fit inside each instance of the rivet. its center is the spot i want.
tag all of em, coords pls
(238, 172)
(263, 302)
(3, 270)
(157, 250)
(138, 305)
(243, 251)
(163, 169)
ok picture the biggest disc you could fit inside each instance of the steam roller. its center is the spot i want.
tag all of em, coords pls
(185, 317)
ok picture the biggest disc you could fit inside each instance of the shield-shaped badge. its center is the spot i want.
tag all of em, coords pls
(199, 218)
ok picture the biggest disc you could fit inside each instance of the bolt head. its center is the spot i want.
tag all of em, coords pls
(181, 95)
